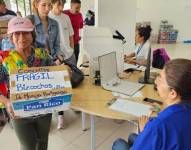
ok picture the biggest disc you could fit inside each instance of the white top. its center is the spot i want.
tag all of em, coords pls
(7, 17)
(141, 51)
(65, 31)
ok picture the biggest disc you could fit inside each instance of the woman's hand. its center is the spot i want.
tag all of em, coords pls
(132, 61)
(129, 57)
(10, 110)
(69, 69)
(126, 58)
(142, 122)
(144, 119)
(8, 105)
(57, 62)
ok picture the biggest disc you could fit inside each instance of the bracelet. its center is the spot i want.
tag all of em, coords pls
(157, 109)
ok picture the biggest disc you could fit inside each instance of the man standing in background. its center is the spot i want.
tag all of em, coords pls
(77, 24)
(4, 11)
(5, 15)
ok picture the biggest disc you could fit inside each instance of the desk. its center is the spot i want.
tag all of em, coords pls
(93, 100)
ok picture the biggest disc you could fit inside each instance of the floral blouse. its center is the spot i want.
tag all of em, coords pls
(39, 57)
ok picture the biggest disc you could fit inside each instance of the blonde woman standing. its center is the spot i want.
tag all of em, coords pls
(47, 31)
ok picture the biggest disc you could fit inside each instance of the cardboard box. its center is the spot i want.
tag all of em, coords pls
(40, 90)
(3, 26)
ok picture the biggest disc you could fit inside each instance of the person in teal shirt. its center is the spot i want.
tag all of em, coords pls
(171, 129)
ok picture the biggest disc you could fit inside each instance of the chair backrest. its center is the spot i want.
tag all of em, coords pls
(160, 58)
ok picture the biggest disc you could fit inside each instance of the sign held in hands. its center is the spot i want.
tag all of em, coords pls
(40, 90)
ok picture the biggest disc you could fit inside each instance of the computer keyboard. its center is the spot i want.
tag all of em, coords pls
(124, 87)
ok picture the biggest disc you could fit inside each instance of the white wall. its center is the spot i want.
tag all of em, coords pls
(118, 15)
(177, 12)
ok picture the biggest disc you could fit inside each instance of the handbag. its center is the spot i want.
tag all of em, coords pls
(77, 75)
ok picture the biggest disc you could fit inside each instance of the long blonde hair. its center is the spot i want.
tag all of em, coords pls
(34, 9)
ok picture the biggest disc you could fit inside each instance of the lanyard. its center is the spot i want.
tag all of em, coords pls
(139, 49)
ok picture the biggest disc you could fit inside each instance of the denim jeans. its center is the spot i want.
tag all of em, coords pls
(121, 144)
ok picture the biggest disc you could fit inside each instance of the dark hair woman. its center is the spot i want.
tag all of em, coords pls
(170, 129)
(142, 47)
(32, 132)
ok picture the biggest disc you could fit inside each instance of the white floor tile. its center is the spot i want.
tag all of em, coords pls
(56, 143)
(84, 141)
(71, 147)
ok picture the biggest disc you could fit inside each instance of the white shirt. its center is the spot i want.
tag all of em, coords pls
(141, 51)
(7, 17)
(65, 31)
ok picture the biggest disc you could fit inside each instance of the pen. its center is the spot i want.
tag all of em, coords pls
(111, 102)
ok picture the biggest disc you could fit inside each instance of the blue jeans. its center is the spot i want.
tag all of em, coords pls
(121, 144)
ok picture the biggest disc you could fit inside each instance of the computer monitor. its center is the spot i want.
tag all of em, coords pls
(108, 67)
(146, 78)
(98, 41)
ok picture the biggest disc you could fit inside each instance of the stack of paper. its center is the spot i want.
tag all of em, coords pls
(130, 107)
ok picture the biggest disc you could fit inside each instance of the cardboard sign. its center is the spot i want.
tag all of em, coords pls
(40, 90)
(3, 26)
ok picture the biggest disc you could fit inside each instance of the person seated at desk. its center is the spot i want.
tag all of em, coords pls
(170, 130)
(142, 47)
(90, 18)
(5, 14)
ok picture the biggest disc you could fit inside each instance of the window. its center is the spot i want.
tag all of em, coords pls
(67, 5)
(22, 6)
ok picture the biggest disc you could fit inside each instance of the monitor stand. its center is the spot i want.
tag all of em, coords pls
(146, 81)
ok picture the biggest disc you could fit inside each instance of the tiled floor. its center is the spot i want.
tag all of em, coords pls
(73, 138)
